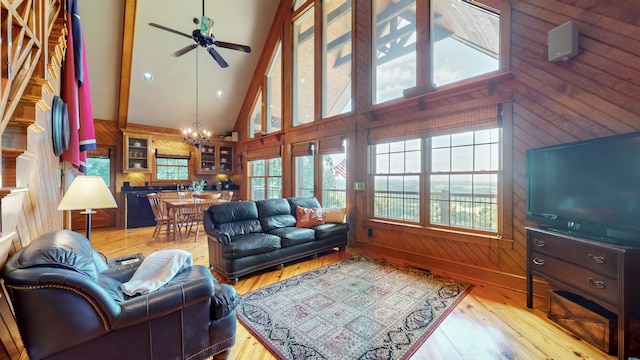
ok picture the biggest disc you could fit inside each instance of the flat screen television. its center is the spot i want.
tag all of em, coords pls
(587, 188)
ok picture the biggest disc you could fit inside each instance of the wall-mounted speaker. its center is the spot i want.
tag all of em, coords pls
(563, 42)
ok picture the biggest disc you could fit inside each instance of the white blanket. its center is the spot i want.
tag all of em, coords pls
(156, 270)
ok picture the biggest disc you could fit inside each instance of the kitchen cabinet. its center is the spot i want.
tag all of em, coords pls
(215, 159)
(136, 153)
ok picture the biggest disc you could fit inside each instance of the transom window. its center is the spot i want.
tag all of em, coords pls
(464, 43)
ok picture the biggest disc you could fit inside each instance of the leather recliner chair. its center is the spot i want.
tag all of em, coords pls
(68, 305)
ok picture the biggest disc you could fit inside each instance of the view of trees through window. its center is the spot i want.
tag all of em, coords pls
(265, 178)
(172, 169)
(334, 184)
(99, 166)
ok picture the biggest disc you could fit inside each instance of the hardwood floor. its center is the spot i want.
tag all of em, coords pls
(489, 323)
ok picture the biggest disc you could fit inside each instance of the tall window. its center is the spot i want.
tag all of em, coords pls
(304, 69)
(466, 40)
(462, 176)
(396, 180)
(334, 184)
(304, 169)
(394, 48)
(336, 97)
(256, 116)
(265, 178)
(464, 179)
(274, 92)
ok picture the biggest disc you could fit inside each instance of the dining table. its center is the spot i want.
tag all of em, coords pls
(175, 207)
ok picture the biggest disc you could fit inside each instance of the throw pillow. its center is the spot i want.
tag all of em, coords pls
(334, 215)
(308, 217)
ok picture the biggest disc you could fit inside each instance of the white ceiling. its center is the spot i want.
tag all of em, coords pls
(170, 99)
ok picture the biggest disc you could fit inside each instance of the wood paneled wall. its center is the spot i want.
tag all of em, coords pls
(592, 95)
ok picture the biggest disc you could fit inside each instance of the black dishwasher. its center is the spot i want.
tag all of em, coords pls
(139, 213)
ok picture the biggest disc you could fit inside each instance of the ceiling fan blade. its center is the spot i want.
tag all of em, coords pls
(184, 50)
(217, 57)
(233, 46)
(170, 30)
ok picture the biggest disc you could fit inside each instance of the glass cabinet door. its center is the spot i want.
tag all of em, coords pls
(136, 154)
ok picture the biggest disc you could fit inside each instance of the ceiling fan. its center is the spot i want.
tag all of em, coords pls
(203, 36)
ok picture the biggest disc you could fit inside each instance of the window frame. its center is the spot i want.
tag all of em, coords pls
(424, 61)
(265, 177)
(178, 154)
(501, 238)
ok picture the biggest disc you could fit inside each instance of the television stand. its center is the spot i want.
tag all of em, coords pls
(604, 273)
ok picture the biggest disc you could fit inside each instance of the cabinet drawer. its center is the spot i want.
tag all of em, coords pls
(592, 257)
(595, 284)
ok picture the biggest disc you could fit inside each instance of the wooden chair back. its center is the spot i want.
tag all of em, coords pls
(227, 195)
(201, 204)
(203, 201)
(156, 206)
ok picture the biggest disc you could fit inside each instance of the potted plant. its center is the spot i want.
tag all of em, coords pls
(197, 186)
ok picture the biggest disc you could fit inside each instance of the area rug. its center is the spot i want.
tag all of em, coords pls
(358, 308)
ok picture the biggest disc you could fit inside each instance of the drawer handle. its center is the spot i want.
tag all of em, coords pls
(538, 261)
(538, 242)
(596, 259)
(598, 284)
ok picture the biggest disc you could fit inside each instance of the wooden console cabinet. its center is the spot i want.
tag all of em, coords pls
(604, 273)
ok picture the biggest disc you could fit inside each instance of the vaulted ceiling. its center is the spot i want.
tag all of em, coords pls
(169, 100)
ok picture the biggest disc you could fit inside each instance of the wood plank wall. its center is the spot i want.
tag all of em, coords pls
(592, 95)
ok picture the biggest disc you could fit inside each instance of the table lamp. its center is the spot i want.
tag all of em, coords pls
(87, 193)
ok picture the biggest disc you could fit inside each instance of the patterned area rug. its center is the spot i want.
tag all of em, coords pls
(359, 308)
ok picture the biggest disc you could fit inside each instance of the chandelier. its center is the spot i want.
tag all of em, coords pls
(198, 135)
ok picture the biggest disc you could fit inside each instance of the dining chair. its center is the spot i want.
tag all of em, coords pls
(186, 213)
(227, 195)
(160, 214)
(201, 204)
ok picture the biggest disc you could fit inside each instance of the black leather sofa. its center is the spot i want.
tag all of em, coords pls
(246, 236)
(68, 305)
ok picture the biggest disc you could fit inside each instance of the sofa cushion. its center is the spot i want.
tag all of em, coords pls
(233, 211)
(250, 244)
(290, 236)
(305, 202)
(275, 213)
(308, 217)
(325, 231)
(241, 227)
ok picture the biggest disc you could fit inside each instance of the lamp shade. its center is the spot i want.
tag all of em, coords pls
(87, 192)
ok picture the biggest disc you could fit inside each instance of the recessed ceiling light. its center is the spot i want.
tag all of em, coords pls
(220, 94)
(148, 77)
